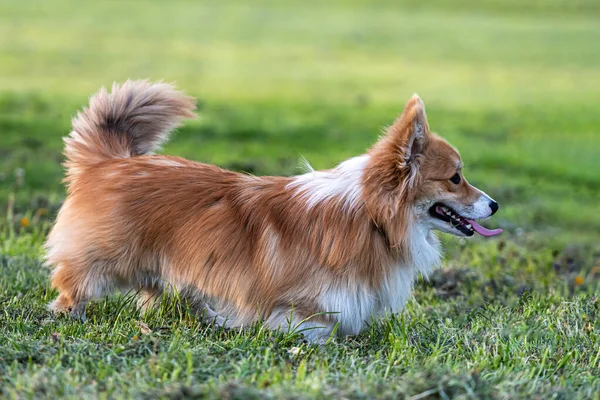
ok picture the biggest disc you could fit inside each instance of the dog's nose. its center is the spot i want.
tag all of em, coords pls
(494, 206)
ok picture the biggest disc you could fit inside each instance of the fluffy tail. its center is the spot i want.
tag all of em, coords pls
(134, 119)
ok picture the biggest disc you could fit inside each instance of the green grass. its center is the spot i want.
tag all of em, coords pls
(514, 85)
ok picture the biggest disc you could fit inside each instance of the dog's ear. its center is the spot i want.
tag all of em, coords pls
(396, 157)
(409, 132)
(395, 162)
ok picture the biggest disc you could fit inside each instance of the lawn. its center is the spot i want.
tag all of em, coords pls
(514, 85)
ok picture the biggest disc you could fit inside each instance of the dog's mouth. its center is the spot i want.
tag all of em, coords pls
(464, 225)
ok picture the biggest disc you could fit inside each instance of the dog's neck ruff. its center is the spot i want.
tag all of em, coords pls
(353, 303)
(352, 300)
(342, 183)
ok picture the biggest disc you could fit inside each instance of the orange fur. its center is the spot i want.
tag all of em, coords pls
(247, 247)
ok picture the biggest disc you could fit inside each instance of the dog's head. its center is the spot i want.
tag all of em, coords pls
(420, 175)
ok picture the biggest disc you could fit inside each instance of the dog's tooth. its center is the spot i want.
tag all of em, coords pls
(469, 226)
(448, 213)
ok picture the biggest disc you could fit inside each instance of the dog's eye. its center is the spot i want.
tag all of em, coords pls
(455, 179)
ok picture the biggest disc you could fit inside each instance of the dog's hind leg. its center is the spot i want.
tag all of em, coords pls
(64, 303)
(76, 286)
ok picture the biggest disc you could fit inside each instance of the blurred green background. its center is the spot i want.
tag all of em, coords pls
(514, 85)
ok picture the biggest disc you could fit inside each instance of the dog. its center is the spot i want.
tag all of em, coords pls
(321, 252)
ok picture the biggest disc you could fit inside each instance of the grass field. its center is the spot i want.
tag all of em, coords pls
(514, 85)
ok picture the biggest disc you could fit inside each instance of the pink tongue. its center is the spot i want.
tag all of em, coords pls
(484, 231)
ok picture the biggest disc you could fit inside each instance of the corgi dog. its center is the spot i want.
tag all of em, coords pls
(322, 252)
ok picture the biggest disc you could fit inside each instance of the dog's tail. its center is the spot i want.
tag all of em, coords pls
(133, 119)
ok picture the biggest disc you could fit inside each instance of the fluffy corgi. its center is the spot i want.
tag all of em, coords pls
(324, 251)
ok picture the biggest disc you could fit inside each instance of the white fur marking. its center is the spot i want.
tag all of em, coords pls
(355, 303)
(479, 210)
(305, 166)
(343, 182)
(167, 162)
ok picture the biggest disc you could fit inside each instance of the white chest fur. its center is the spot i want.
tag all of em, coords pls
(354, 302)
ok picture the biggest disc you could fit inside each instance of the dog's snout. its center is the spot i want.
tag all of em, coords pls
(494, 206)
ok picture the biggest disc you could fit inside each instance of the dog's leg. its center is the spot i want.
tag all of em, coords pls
(315, 329)
(65, 304)
(211, 315)
(77, 286)
(148, 299)
(316, 332)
